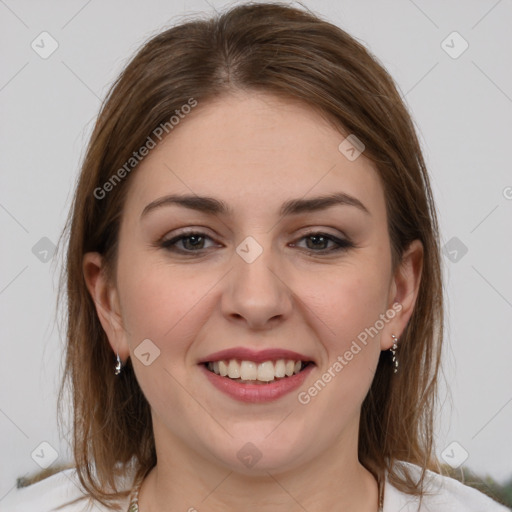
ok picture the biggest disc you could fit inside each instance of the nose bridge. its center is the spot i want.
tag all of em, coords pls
(256, 292)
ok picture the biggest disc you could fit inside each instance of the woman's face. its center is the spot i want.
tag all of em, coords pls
(314, 280)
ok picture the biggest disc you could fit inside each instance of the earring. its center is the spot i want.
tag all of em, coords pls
(393, 350)
(118, 366)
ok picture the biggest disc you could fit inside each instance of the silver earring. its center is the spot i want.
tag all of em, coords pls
(118, 366)
(393, 351)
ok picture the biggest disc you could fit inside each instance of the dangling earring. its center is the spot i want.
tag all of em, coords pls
(393, 350)
(118, 366)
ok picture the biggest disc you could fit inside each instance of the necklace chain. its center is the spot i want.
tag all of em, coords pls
(134, 496)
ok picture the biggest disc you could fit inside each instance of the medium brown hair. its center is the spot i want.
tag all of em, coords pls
(277, 49)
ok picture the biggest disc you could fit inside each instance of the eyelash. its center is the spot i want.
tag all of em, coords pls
(343, 244)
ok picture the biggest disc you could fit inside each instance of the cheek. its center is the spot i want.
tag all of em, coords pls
(352, 301)
(158, 301)
(346, 312)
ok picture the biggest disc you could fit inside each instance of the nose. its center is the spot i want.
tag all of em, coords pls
(256, 292)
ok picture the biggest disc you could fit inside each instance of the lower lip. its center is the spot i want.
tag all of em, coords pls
(264, 392)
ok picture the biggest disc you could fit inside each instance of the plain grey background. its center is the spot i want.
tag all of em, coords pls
(460, 99)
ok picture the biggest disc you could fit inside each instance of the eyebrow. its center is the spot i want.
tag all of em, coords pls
(213, 206)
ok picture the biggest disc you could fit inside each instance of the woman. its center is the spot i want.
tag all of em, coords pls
(254, 285)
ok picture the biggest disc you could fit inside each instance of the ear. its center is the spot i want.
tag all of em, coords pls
(105, 297)
(403, 291)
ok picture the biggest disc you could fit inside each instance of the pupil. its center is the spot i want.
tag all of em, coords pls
(197, 239)
(316, 238)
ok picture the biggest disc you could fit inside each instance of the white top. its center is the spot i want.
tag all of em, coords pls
(449, 495)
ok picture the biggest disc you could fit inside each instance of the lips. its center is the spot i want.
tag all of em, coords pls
(257, 393)
(256, 376)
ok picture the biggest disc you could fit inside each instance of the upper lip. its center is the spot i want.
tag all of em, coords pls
(258, 356)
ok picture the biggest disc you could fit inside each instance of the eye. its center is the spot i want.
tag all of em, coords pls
(192, 242)
(319, 242)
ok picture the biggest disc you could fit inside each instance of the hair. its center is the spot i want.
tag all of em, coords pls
(289, 52)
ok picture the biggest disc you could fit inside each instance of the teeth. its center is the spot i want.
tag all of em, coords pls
(266, 371)
(249, 370)
(233, 369)
(223, 368)
(280, 368)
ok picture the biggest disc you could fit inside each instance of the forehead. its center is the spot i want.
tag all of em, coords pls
(253, 150)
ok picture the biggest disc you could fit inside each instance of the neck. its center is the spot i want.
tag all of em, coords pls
(182, 480)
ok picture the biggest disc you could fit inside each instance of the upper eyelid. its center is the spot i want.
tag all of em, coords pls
(304, 231)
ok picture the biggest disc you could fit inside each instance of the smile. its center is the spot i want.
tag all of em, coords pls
(257, 382)
(251, 372)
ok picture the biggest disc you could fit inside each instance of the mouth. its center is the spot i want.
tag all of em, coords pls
(256, 376)
(252, 372)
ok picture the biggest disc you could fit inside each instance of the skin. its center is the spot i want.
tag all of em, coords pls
(254, 151)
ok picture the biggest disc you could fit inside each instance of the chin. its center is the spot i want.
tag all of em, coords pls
(259, 451)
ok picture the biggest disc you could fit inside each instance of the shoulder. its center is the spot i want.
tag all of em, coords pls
(443, 494)
(51, 493)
